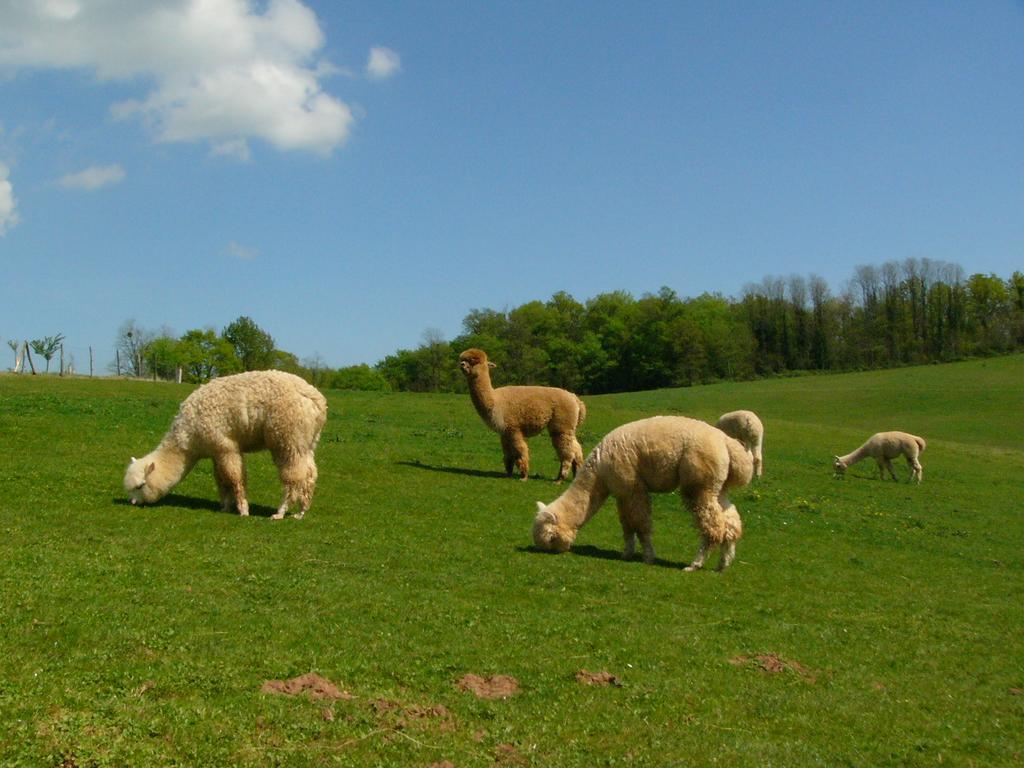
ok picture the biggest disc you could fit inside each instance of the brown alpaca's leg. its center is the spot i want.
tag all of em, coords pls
(522, 454)
(508, 452)
(229, 468)
(565, 447)
(635, 517)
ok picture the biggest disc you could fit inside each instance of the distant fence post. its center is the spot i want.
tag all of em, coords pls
(90, 362)
(118, 353)
(61, 359)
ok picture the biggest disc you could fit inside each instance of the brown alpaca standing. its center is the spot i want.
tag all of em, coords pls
(517, 413)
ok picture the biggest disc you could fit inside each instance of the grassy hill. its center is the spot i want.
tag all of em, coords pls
(864, 622)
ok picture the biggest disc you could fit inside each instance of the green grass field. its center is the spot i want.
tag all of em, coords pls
(864, 623)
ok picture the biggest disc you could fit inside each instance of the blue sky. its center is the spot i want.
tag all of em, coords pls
(353, 174)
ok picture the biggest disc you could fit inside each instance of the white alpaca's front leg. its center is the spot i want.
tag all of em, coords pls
(728, 555)
(700, 557)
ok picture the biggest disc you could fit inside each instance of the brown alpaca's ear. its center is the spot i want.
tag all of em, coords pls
(150, 468)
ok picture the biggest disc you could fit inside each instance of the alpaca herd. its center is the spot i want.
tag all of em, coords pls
(281, 413)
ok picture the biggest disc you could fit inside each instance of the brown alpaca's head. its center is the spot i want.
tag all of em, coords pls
(548, 533)
(473, 362)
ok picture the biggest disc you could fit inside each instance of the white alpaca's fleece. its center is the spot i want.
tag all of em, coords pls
(883, 447)
(746, 427)
(232, 415)
(655, 455)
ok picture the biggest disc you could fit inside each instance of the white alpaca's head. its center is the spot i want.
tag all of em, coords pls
(839, 467)
(548, 533)
(136, 481)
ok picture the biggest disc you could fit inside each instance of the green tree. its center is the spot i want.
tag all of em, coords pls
(253, 346)
(358, 377)
(47, 347)
(205, 355)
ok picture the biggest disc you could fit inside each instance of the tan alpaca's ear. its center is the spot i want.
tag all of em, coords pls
(150, 468)
(134, 460)
(491, 365)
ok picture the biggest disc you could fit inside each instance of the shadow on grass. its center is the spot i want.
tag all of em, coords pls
(452, 470)
(191, 502)
(589, 550)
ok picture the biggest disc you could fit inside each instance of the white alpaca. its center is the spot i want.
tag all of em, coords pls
(655, 455)
(748, 429)
(883, 447)
(517, 413)
(232, 415)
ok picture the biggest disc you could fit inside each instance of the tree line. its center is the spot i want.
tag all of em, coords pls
(917, 311)
(914, 312)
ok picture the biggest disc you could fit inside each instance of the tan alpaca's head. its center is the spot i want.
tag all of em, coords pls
(839, 467)
(548, 533)
(136, 482)
(473, 362)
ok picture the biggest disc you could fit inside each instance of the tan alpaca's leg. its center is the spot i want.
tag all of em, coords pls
(916, 470)
(710, 520)
(635, 517)
(229, 467)
(758, 461)
(298, 476)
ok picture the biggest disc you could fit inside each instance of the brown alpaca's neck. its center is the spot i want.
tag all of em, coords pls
(482, 394)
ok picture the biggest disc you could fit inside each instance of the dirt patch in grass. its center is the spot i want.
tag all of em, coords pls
(772, 664)
(508, 754)
(493, 687)
(314, 685)
(597, 678)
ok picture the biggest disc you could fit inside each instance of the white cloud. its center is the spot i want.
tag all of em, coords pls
(8, 203)
(93, 178)
(382, 63)
(241, 252)
(221, 71)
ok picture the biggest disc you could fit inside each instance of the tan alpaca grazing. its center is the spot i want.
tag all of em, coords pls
(883, 447)
(517, 413)
(247, 412)
(656, 455)
(746, 427)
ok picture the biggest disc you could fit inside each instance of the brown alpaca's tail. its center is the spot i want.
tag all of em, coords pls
(920, 443)
(582, 412)
(741, 464)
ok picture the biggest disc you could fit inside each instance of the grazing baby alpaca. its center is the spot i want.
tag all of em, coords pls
(883, 447)
(517, 413)
(747, 428)
(255, 411)
(656, 455)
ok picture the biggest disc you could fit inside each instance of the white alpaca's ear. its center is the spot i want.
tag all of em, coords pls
(150, 468)
(134, 459)
(544, 514)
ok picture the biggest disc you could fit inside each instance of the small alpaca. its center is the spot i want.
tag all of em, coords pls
(655, 455)
(229, 416)
(517, 413)
(883, 447)
(747, 428)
